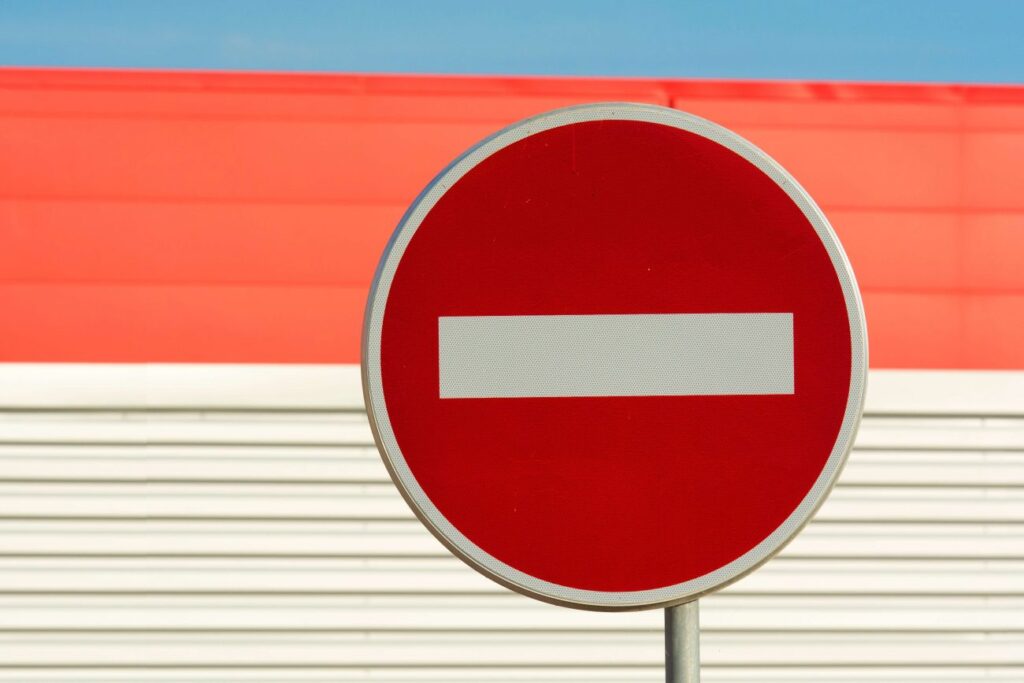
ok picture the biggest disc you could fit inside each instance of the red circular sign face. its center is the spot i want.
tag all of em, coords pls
(614, 357)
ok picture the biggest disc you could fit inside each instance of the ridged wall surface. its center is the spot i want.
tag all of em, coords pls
(225, 542)
(228, 218)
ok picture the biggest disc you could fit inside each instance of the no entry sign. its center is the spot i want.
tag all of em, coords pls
(614, 357)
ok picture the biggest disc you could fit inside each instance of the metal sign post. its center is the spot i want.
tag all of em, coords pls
(682, 643)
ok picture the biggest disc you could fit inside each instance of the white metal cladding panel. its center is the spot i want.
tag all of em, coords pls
(229, 525)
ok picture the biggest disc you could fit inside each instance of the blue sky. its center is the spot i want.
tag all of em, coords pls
(876, 40)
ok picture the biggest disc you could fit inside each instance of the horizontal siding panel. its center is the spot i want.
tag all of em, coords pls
(169, 242)
(241, 160)
(917, 329)
(202, 537)
(437, 576)
(911, 504)
(992, 244)
(339, 244)
(927, 540)
(51, 390)
(198, 542)
(336, 675)
(930, 329)
(949, 433)
(652, 674)
(542, 649)
(362, 464)
(724, 674)
(985, 157)
(818, 112)
(907, 266)
(255, 429)
(381, 501)
(255, 160)
(192, 323)
(43, 390)
(214, 501)
(221, 463)
(834, 540)
(341, 464)
(934, 468)
(332, 97)
(719, 613)
(926, 162)
(1000, 335)
(965, 434)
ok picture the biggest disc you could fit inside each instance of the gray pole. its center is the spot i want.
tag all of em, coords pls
(682, 643)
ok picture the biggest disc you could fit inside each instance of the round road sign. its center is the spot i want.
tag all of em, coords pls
(614, 357)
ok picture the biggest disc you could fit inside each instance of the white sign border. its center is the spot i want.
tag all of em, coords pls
(450, 536)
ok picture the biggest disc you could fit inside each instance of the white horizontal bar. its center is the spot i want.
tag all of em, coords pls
(180, 385)
(430, 614)
(943, 392)
(337, 387)
(689, 354)
(410, 651)
(942, 551)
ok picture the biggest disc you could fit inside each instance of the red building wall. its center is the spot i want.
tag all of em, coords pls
(214, 217)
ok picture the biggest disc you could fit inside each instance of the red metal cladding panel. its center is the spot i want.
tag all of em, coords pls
(993, 329)
(992, 258)
(189, 160)
(104, 241)
(989, 160)
(915, 330)
(843, 168)
(221, 217)
(875, 239)
(76, 322)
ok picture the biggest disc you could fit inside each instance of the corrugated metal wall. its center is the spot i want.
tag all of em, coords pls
(230, 218)
(237, 525)
(221, 523)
